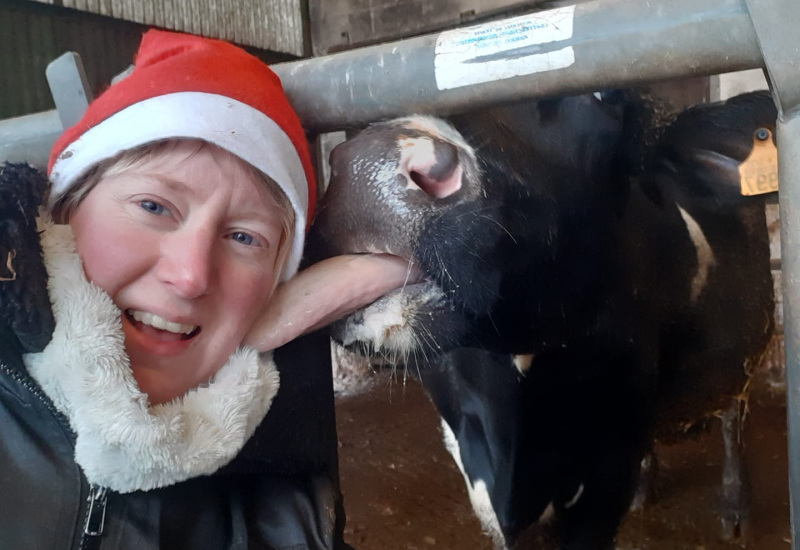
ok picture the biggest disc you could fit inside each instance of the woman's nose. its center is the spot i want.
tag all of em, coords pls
(186, 262)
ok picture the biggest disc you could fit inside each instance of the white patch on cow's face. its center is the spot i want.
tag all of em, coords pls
(478, 494)
(705, 256)
(523, 362)
(388, 323)
(437, 128)
(548, 514)
(574, 500)
(384, 325)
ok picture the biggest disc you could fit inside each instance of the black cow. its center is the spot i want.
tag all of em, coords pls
(571, 302)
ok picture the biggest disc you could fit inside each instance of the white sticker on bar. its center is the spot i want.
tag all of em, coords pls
(503, 49)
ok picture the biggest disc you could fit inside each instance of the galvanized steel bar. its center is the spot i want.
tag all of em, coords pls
(775, 25)
(29, 138)
(69, 87)
(788, 137)
(617, 43)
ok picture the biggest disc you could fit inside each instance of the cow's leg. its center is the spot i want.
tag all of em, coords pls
(474, 392)
(491, 434)
(648, 479)
(477, 489)
(590, 519)
(734, 475)
(617, 434)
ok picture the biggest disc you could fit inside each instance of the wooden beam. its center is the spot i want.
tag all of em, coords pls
(275, 25)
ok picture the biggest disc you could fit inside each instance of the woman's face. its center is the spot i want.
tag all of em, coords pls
(186, 244)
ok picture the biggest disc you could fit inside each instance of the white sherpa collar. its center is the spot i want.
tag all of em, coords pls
(122, 443)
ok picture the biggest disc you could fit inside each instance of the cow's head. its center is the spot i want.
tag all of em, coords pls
(485, 206)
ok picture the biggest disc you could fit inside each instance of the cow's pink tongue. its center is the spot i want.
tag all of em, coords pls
(325, 292)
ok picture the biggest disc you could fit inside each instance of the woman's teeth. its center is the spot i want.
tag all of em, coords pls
(153, 320)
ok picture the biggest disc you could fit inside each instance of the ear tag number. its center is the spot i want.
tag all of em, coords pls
(758, 173)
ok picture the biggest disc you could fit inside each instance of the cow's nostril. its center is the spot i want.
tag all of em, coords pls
(437, 174)
(426, 183)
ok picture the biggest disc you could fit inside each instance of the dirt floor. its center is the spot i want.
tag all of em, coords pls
(403, 491)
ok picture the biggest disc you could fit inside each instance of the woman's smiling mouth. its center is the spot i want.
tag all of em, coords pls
(145, 320)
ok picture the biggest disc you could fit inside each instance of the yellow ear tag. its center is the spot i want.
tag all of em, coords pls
(758, 173)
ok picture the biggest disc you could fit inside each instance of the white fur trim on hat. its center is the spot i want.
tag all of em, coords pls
(230, 124)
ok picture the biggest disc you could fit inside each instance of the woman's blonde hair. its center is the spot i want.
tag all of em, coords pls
(66, 205)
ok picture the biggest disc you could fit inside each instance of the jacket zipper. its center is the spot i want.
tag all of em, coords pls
(35, 390)
(95, 515)
(96, 511)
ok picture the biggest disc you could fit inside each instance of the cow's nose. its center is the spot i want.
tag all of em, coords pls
(433, 166)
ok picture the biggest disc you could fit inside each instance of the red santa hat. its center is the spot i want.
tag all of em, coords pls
(185, 86)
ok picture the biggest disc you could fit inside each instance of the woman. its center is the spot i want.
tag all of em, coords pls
(179, 203)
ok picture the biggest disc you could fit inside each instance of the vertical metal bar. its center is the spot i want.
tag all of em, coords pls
(775, 27)
(69, 86)
(788, 136)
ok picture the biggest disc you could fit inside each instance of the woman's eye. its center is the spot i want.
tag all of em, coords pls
(153, 208)
(243, 238)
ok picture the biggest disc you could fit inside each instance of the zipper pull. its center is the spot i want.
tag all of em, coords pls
(96, 517)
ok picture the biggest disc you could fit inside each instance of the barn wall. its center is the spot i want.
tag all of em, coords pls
(731, 84)
(275, 25)
(344, 24)
(32, 34)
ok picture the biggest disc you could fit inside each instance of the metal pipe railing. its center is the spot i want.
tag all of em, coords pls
(616, 44)
(29, 138)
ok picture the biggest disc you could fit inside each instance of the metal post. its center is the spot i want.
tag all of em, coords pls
(788, 136)
(30, 138)
(774, 22)
(69, 87)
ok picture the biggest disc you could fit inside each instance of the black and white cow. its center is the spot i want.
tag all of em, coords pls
(570, 303)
